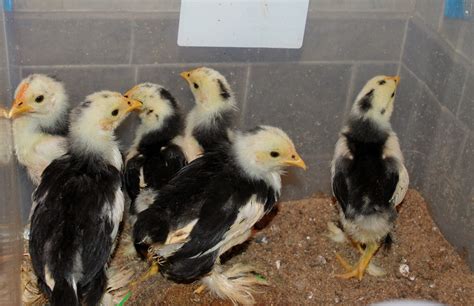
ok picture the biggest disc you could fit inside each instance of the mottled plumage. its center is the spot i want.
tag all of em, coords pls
(211, 205)
(79, 205)
(368, 175)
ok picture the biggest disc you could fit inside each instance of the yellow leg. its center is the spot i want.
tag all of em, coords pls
(344, 263)
(359, 269)
(200, 289)
(153, 270)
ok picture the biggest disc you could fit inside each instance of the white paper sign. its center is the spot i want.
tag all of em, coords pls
(242, 23)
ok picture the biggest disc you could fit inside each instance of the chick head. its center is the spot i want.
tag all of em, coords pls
(210, 88)
(375, 100)
(39, 96)
(158, 104)
(103, 111)
(265, 150)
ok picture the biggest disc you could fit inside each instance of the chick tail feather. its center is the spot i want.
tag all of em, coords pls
(63, 294)
(234, 284)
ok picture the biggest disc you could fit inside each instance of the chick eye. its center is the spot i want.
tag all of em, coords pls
(274, 154)
(39, 99)
(393, 94)
(195, 85)
(115, 112)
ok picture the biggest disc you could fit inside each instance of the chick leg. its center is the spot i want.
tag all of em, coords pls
(359, 269)
(152, 270)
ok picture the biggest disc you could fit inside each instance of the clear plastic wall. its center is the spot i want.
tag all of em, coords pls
(113, 44)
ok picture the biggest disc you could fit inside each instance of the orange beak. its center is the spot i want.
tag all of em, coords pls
(296, 161)
(185, 74)
(395, 78)
(132, 104)
(19, 105)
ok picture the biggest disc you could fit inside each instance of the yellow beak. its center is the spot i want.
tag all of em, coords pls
(296, 161)
(19, 107)
(396, 78)
(185, 74)
(132, 105)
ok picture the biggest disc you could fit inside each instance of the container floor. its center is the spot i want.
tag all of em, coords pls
(294, 240)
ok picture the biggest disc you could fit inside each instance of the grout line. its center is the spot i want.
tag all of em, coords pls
(402, 51)
(428, 90)
(463, 90)
(7, 55)
(245, 98)
(135, 75)
(132, 41)
(440, 17)
(350, 91)
(221, 64)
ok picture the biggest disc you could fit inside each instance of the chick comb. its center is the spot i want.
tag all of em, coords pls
(21, 91)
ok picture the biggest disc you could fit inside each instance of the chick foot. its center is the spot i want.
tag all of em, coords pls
(359, 269)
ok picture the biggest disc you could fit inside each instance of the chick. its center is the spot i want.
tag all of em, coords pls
(80, 191)
(153, 159)
(369, 178)
(40, 120)
(209, 123)
(211, 205)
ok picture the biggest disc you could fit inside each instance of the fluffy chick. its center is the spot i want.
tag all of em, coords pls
(369, 178)
(40, 120)
(80, 191)
(209, 123)
(153, 159)
(211, 205)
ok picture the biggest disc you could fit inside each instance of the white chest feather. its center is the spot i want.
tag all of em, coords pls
(36, 150)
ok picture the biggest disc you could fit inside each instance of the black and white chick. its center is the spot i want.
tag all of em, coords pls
(369, 178)
(81, 191)
(153, 159)
(209, 123)
(40, 121)
(211, 205)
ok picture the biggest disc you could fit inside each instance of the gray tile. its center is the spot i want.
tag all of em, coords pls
(451, 198)
(362, 5)
(466, 109)
(436, 64)
(5, 94)
(3, 49)
(467, 44)
(163, 48)
(464, 173)
(430, 11)
(69, 40)
(408, 94)
(447, 144)
(350, 38)
(38, 5)
(122, 5)
(305, 100)
(80, 82)
(451, 30)
(452, 211)
(168, 76)
(299, 184)
(421, 132)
